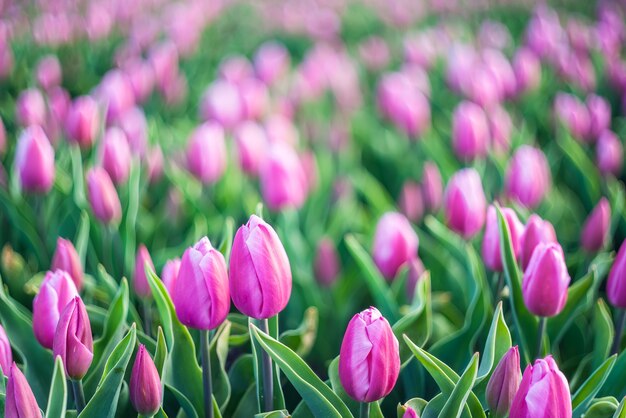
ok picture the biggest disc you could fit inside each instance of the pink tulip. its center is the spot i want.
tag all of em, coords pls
(500, 126)
(115, 155)
(573, 114)
(154, 164)
(34, 161)
(164, 60)
(283, 179)
(528, 176)
(280, 129)
(83, 121)
(411, 201)
(271, 62)
(235, 69)
(599, 114)
(102, 195)
(116, 93)
(395, 243)
(169, 275)
(327, 264)
(30, 108)
(20, 401)
(470, 131)
(134, 124)
(609, 154)
(546, 279)
(73, 340)
(537, 231)
(49, 72)
(140, 280)
(66, 258)
(206, 153)
(251, 142)
(504, 383)
(491, 252)
(464, 203)
(432, 189)
(374, 53)
(595, 231)
(222, 103)
(527, 69)
(6, 355)
(616, 284)
(146, 391)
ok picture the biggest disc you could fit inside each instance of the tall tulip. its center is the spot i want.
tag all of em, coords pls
(30, 108)
(503, 383)
(102, 195)
(395, 243)
(327, 264)
(609, 154)
(146, 392)
(82, 121)
(283, 179)
(206, 152)
(411, 201)
(491, 252)
(115, 155)
(34, 160)
(20, 401)
(537, 231)
(251, 142)
(66, 258)
(169, 275)
(6, 355)
(271, 61)
(616, 292)
(528, 176)
(599, 115)
(432, 189)
(465, 203)
(49, 72)
(595, 231)
(546, 280)
(140, 281)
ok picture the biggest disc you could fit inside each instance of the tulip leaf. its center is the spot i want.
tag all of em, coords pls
(301, 339)
(321, 400)
(372, 191)
(241, 377)
(57, 401)
(82, 237)
(77, 177)
(603, 333)
(160, 354)
(274, 414)
(602, 408)
(247, 405)
(621, 410)
(227, 238)
(239, 332)
(588, 173)
(585, 394)
(104, 401)
(417, 404)
(279, 400)
(462, 390)
(498, 343)
(335, 384)
(130, 223)
(218, 349)
(416, 323)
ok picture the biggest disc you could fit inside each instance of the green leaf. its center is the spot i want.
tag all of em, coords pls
(455, 403)
(416, 323)
(498, 343)
(274, 414)
(82, 237)
(621, 410)
(321, 400)
(301, 339)
(218, 350)
(603, 333)
(241, 377)
(130, 224)
(585, 394)
(160, 355)
(602, 408)
(335, 384)
(227, 238)
(576, 294)
(257, 354)
(417, 404)
(57, 401)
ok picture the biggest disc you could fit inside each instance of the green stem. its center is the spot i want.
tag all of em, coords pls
(365, 410)
(206, 374)
(540, 333)
(147, 316)
(268, 377)
(79, 395)
(619, 331)
(499, 287)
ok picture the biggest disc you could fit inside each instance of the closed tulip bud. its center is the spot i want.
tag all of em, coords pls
(235, 69)
(410, 413)
(82, 121)
(283, 179)
(327, 264)
(527, 69)
(34, 160)
(116, 92)
(251, 142)
(369, 360)
(115, 155)
(616, 285)
(103, 198)
(206, 152)
(543, 392)
(30, 108)
(573, 114)
(66, 258)
(56, 291)
(482, 87)
(223, 104)
(470, 131)
(491, 240)
(169, 275)
(528, 176)
(545, 282)
(537, 231)
(6, 355)
(500, 126)
(260, 274)
(374, 52)
(411, 201)
(609, 153)
(501, 70)
(73, 341)
(432, 189)
(395, 243)
(59, 101)
(271, 62)
(146, 392)
(141, 77)
(140, 281)
(595, 230)
(20, 401)
(464, 203)
(201, 293)
(164, 60)
(599, 114)
(49, 72)
(503, 384)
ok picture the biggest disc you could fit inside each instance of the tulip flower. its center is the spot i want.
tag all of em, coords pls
(599, 115)
(271, 62)
(146, 391)
(3, 138)
(103, 198)
(73, 340)
(401, 101)
(500, 126)
(164, 60)
(6, 355)
(465, 203)
(616, 292)
(82, 121)
(49, 72)
(169, 275)
(134, 124)
(609, 154)
(255, 98)
(470, 131)
(527, 68)
(543, 392)
(537, 231)
(432, 188)
(206, 153)
(280, 129)
(223, 104)
(395, 243)
(235, 69)
(140, 281)
(34, 160)
(20, 401)
(416, 270)
(116, 93)
(411, 201)
(56, 291)
(528, 176)
(545, 281)
(369, 360)
(66, 258)
(374, 53)
(491, 252)
(30, 108)
(154, 164)
(595, 231)
(283, 179)
(251, 142)
(573, 114)
(115, 155)
(503, 383)
(410, 413)
(327, 264)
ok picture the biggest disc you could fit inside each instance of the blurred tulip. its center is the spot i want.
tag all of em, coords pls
(164, 60)
(3, 138)
(395, 243)
(66, 258)
(251, 142)
(34, 161)
(260, 274)
(374, 53)
(369, 360)
(400, 101)
(83, 121)
(146, 391)
(543, 392)
(102, 195)
(59, 102)
(20, 401)
(154, 164)
(134, 124)
(482, 87)
(283, 179)
(500, 127)
(502, 72)
(169, 275)
(411, 201)
(599, 114)
(546, 279)
(254, 98)
(416, 270)
(464, 203)
(30, 108)
(56, 291)
(49, 72)
(201, 291)
(116, 93)
(537, 231)
(142, 79)
(280, 129)
(235, 69)
(140, 280)
(6, 355)
(573, 114)
(432, 189)
(410, 413)
(527, 69)
(503, 383)
(609, 154)
(223, 104)
(327, 264)
(595, 231)
(271, 62)
(206, 152)
(491, 252)
(73, 340)
(528, 176)
(616, 284)
(115, 155)
(470, 131)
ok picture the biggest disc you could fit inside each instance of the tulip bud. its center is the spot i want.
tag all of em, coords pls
(164, 60)
(73, 340)
(374, 52)
(432, 188)
(66, 258)
(30, 108)
(169, 275)
(201, 294)
(254, 97)
(410, 413)
(616, 285)
(465, 203)
(470, 131)
(34, 160)
(573, 114)
(56, 291)
(599, 114)
(546, 280)
(49, 72)
(595, 230)
(260, 274)
(527, 68)
(537, 231)
(395, 243)
(280, 129)
(327, 264)
(411, 201)
(82, 122)
(369, 360)
(115, 155)
(235, 69)
(133, 123)
(503, 384)
(283, 179)
(223, 104)
(491, 252)
(528, 176)
(609, 153)
(140, 281)
(543, 377)
(6, 356)
(206, 152)
(271, 62)
(116, 92)
(500, 126)
(103, 198)
(20, 401)
(251, 142)
(146, 391)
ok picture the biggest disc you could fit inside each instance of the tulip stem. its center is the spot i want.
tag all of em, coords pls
(540, 333)
(365, 410)
(268, 378)
(499, 287)
(206, 373)
(79, 394)
(619, 331)
(147, 317)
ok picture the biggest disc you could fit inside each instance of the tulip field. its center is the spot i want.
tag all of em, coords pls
(312, 208)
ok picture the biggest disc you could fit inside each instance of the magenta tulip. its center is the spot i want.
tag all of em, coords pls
(599, 115)
(470, 131)
(66, 258)
(251, 143)
(73, 341)
(20, 401)
(34, 160)
(206, 153)
(140, 280)
(83, 121)
(491, 251)
(6, 355)
(395, 243)
(30, 108)
(223, 104)
(283, 179)
(411, 201)
(464, 203)
(500, 127)
(116, 93)
(169, 275)
(545, 281)
(146, 391)
(3, 138)
(115, 155)
(595, 231)
(154, 164)
(327, 264)
(49, 72)
(415, 273)
(271, 62)
(527, 69)
(616, 284)
(503, 383)
(134, 124)
(528, 176)
(410, 413)
(609, 154)
(432, 189)
(537, 231)
(572, 114)
(103, 198)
